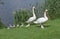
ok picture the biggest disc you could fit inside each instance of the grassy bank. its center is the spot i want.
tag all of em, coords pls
(51, 31)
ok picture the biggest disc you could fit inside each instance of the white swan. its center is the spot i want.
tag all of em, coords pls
(42, 19)
(31, 18)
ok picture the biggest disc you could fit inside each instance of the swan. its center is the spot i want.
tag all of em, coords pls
(42, 19)
(31, 19)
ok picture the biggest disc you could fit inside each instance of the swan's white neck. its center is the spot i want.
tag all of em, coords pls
(45, 14)
(33, 13)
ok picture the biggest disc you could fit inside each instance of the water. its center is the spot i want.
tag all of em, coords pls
(11, 5)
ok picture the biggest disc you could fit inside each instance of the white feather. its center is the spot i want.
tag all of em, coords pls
(42, 19)
(31, 18)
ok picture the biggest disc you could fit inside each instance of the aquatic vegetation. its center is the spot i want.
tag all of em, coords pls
(21, 16)
(1, 24)
(54, 8)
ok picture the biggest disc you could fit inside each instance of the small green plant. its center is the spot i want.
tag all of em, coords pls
(1, 24)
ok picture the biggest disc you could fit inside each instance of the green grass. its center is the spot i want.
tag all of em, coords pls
(51, 31)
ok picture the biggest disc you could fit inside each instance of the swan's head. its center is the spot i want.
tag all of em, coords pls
(33, 7)
(46, 10)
